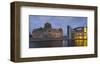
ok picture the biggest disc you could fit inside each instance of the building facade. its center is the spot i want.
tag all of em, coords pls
(47, 37)
(80, 36)
(53, 37)
(47, 32)
(77, 36)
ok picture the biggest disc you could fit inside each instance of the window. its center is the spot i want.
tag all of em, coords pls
(80, 37)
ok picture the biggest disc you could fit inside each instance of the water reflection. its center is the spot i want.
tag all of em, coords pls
(40, 44)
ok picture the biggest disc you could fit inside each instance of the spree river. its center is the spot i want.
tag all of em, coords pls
(43, 44)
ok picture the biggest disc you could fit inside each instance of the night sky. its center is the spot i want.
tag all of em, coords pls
(37, 21)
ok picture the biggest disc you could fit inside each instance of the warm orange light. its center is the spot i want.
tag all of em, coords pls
(85, 37)
(80, 37)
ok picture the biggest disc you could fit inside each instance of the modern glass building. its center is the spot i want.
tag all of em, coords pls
(80, 36)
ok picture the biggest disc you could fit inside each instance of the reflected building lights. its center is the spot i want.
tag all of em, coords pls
(80, 36)
(77, 36)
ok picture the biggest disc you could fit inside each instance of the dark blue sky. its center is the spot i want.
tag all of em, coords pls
(36, 21)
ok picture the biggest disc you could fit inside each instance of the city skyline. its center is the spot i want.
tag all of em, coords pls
(36, 21)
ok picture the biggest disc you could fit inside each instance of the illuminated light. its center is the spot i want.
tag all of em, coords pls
(81, 42)
(85, 29)
(85, 37)
(85, 42)
(80, 37)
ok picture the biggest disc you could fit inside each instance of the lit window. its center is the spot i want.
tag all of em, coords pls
(80, 37)
(85, 37)
(85, 30)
